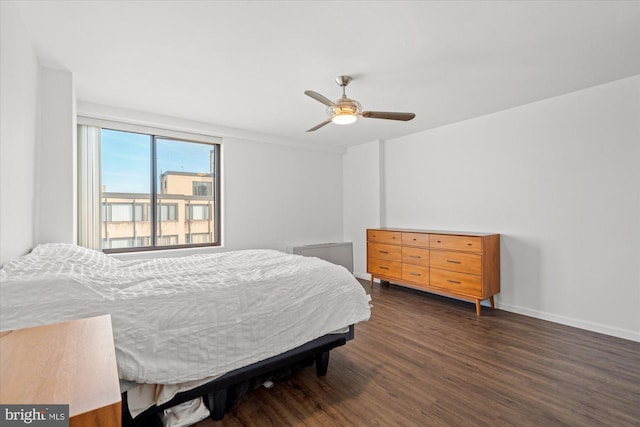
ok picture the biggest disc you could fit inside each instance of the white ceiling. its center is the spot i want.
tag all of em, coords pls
(247, 64)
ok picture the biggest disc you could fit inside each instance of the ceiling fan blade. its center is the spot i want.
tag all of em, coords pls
(319, 126)
(387, 115)
(315, 95)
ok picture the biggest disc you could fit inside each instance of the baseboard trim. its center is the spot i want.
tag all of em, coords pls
(569, 321)
(364, 276)
(555, 318)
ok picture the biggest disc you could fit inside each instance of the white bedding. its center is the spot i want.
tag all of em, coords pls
(188, 318)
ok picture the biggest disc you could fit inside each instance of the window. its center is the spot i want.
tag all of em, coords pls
(124, 212)
(169, 240)
(152, 191)
(125, 242)
(169, 212)
(202, 188)
(200, 238)
(198, 212)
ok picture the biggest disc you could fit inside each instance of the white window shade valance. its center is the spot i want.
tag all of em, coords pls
(158, 131)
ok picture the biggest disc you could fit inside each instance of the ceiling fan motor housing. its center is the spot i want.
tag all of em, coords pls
(343, 80)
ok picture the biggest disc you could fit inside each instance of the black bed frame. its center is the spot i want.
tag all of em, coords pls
(215, 393)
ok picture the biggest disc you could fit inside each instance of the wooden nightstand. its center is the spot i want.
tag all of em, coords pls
(70, 363)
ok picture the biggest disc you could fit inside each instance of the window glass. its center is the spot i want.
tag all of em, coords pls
(185, 172)
(182, 184)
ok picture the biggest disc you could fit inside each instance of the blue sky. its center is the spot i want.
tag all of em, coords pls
(126, 165)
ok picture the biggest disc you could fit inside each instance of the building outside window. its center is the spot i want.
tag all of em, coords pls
(196, 238)
(139, 171)
(125, 242)
(168, 240)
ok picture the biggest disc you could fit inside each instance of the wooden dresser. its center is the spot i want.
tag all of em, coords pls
(462, 265)
(70, 363)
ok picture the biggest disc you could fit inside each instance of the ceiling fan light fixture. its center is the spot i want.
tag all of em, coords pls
(344, 118)
(345, 110)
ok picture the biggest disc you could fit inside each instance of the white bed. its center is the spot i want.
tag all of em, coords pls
(189, 318)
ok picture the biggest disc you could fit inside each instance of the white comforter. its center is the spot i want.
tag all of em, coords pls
(187, 318)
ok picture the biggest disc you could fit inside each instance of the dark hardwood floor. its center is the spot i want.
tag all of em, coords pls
(425, 360)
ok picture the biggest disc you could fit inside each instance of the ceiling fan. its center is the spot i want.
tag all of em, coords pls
(346, 110)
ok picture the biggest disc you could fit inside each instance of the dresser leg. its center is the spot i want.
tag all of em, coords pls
(477, 307)
(372, 280)
(493, 305)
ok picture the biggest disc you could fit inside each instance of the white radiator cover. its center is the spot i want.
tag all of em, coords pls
(337, 253)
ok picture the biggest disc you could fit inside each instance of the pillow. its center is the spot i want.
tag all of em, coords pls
(73, 254)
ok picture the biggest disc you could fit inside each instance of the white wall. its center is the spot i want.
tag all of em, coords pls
(56, 189)
(361, 199)
(18, 124)
(559, 179)
(275, 196)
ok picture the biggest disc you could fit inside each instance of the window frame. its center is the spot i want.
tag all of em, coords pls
(155, 214)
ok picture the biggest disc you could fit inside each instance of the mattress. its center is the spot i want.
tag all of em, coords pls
(187, 318)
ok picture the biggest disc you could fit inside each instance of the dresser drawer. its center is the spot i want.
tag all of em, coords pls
(456, 261)
(415, 256)
(415, 273)
(462, 283)
(384, 236)
(384, 252)
(456, 243)
(415, 239)
(384, 268)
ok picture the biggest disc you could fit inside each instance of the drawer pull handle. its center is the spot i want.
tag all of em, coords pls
(453, 281)
(414, 239)
(384, 268)
(453, 262)
(438, 241)
(414, 256)
(415, 274)
(383, 252)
